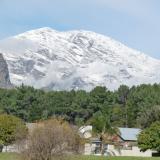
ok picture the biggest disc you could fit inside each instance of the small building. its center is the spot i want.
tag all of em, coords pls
(126, 144)
(122, 144)
(127, 137)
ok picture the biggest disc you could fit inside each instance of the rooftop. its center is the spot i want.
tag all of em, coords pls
(129, 134)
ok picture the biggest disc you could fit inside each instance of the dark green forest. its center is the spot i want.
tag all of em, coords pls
(138, 106)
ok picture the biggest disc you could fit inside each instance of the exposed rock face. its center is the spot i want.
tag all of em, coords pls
(4, 74)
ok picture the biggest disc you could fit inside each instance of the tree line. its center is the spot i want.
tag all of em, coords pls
(137, 106)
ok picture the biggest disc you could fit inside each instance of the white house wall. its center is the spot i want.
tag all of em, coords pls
(135, 152)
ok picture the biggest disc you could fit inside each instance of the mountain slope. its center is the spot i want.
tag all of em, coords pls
(46, 58)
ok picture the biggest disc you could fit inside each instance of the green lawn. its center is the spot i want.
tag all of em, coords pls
(110, 158)
(11, 156)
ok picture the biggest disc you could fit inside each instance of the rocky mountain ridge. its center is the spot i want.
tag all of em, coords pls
(4, 74)
(45, 58)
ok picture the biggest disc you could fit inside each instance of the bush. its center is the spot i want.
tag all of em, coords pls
(51, 138)
(11, 129)
(150, 138)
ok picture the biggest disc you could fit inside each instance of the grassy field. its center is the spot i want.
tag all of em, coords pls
(11, 156)
(111, 158)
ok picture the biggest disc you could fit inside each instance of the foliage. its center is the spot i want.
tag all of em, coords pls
(10, 129)
(102, 126)
(149, 116)
(125, 107)
(150, 138)
(51, 138)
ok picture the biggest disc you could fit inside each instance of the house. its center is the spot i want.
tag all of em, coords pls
(127, 137)
(122, 144)
(126, 144)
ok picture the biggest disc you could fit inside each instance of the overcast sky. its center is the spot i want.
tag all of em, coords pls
(135, 23)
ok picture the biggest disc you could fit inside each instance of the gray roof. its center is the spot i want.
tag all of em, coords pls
(129, 134)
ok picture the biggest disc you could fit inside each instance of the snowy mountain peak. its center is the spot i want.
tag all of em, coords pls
(44, 30)
(46, 58)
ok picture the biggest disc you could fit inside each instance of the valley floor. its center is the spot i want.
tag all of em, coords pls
(12, 156)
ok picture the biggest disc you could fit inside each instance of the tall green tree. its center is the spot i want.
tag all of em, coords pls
(123, 92)
(103, 128)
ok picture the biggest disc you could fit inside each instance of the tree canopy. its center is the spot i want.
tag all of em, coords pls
(10, 127)
(150, 138)
(125, 106)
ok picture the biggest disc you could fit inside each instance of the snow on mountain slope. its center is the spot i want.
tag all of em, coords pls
(45, 58)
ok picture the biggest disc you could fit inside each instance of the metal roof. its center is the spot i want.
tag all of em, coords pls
(129, 134)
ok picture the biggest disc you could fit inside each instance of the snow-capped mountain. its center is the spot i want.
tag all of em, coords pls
(45, 58)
